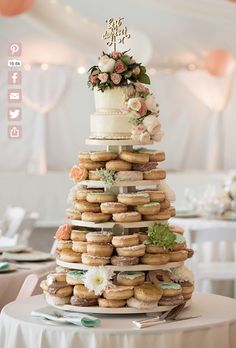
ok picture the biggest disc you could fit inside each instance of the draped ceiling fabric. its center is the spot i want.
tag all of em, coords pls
(197, 111)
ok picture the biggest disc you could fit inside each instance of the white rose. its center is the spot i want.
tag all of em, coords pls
(134, 104)
(106, 64)
(151, 122)
(232, 189)
(151, 103)
(144, 137)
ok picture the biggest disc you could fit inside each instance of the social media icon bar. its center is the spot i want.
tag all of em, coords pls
(14, 49)
(14, 95)
(14, 132)
(14, 77)
(14, 114)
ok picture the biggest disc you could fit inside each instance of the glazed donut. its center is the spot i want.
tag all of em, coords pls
(177, 256)
(153, 217)
(55, 300)
(155, 196)
(83, 302)
(155, 259)
(119, 293)
(68, 255)
(154, 174)
(79, 247)
(190, 252)
(149, 208)
(56, 277)
(82, 292)
(63, 290)
(172, 211)
(165, 204)
(155, 249)
(130, 216)
(84, 156)
(73, 214)
(81, 194)
(163, 215)
(105, 303)
(103, 156)
(154, 156)
(124, 261)
(134, 303)
(91, 165)
(95, 260)
(130, 278)
(133, 198)
(75, 277)
(84, 206)
(118, 165)
(125, 240)
(180, 242)
(143, 237)
(148, 293)
(64, 244)
(129, 175)
(78, 235)
(171, 301)
(134, 157)
(113, 207)
(145, 167)
(135, 250)
(96, 217)
(187, 289)
(99, 237)
(176, 229)
(99, 249)
(169, 288)
(93, 175)
(101, 197)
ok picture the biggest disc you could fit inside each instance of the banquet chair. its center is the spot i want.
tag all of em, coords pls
(213, 270)
(28, 286)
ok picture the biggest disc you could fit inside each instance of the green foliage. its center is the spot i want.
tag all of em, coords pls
(107, 176)
(160, 234)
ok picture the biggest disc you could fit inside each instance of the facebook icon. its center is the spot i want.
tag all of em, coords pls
(14, 77)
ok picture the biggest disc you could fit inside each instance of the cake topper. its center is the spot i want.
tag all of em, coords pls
(115, 33)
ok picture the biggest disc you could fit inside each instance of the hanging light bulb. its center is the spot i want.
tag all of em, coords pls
(81, 70)
(44, 66)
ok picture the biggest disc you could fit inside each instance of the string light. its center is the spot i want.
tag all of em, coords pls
(81, 70)
(27, 67)
(44, 66)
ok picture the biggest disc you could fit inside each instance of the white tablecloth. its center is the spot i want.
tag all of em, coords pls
(10, 283)
(216, 328)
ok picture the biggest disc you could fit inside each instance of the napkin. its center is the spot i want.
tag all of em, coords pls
(66, 317)
(4, 265)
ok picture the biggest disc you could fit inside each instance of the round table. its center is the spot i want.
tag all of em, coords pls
(216, 328)
(10, 283)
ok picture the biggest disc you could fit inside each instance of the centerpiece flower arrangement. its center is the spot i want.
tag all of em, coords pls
(116, 69)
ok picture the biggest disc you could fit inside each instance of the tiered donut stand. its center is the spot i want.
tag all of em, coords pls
(117, 229)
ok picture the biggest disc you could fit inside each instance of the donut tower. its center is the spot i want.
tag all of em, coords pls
(117, 253)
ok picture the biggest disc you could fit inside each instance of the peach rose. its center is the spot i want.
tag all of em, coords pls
(143, 109)
(116, 78)
(93, 78)
(78, 174)
(103, 77)
(141, 88)
(120, 67)
(63, 232)
(134, 104)
(115, 55)
(136, 71)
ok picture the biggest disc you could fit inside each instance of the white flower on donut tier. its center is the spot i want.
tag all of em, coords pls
(98, 279)
(144, 113)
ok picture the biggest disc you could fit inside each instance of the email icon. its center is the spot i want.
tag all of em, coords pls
(14, 95)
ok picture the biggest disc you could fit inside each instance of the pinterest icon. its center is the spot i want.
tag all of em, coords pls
(14, 50)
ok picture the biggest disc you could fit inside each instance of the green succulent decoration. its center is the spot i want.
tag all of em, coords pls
(160, 234)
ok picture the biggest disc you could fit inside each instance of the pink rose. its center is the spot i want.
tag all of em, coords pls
(115, 55)
(116, 78)
(141, 88)
(143, 110)
(63, 232)
(103, 77)
(139, 129)
(136, 71)
(120, 67)
(93, 78)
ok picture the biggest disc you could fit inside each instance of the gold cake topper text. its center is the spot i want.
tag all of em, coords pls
(115, 33)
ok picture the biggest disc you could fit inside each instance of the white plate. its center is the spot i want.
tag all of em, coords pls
(14, 249)
(186, 214)
(24, 257)
(11, 268)
(115, 142)
(124, 183)
(140, 267)
(122, 310)
(112, 224)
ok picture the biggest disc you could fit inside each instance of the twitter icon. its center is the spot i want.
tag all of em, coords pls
(14, 114)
